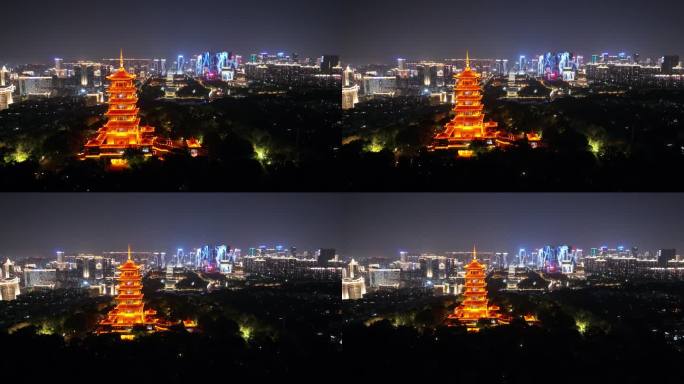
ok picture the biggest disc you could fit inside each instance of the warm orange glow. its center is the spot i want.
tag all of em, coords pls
(122, 130)
(468, 123)
(476, 306)
(130, 309)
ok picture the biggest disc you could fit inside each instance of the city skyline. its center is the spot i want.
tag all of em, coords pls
(157, 28)
(356, 225)
(505, 222)
(382, 31)
(42, 224)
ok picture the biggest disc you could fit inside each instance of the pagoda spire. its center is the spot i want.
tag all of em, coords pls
(467, 59)
(474, 253)
(129, 251)
(121, 64)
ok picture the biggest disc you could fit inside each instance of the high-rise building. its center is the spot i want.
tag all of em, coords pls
(6, 96)
(325, 255)
(401, 64)
(40, 278)
(328, 62)
(379, 85)
(665, 255)
(9, 282)
(384, 277)
(669, 62)
(32, 86)
(522, 64)
(350, 92)
(350, 96)
(353, 288)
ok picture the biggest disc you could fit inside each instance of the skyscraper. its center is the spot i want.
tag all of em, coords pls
(669, 62)
(328, 62)
(325, 255)
(665, 255)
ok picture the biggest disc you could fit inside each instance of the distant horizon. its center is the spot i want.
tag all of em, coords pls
(511, 60)
(357, 225)
(49, 60)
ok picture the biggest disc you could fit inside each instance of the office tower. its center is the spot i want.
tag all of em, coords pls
(665, 255)
(328, 62)
(401, 64)
(325, 255)
(30, 86)
(669, 62)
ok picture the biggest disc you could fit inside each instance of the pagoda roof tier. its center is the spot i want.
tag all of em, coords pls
(123, 89)
(133, 287)
(471, 97)
(463, 107)
(129, 265)
(121, 74)
(122, 112)
(136, 298)
(123, 124)
(461, 86)
(468, 74)
(113, 100)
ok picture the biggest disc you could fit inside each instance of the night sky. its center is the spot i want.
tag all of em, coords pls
(384, 224)
(358, 225)
(381, 30)
(40, 224)
(361, 31)
(85, 29)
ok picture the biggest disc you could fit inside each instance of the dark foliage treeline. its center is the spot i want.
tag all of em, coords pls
(592, 335)
(287, 332)
(633, 142)
(256, 142)
(510, 354)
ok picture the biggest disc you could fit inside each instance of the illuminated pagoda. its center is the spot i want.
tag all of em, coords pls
(123, 130)
(475, 306)
(130, 310)
(468, 125)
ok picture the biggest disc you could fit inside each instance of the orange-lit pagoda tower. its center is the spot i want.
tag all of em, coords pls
(476, 306)
(130, 309)
(468, 123)
(123, 130)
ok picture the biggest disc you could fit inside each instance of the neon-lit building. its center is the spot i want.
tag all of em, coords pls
(468, 125)
(9, 282)
(475, 306)
(557, 66)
